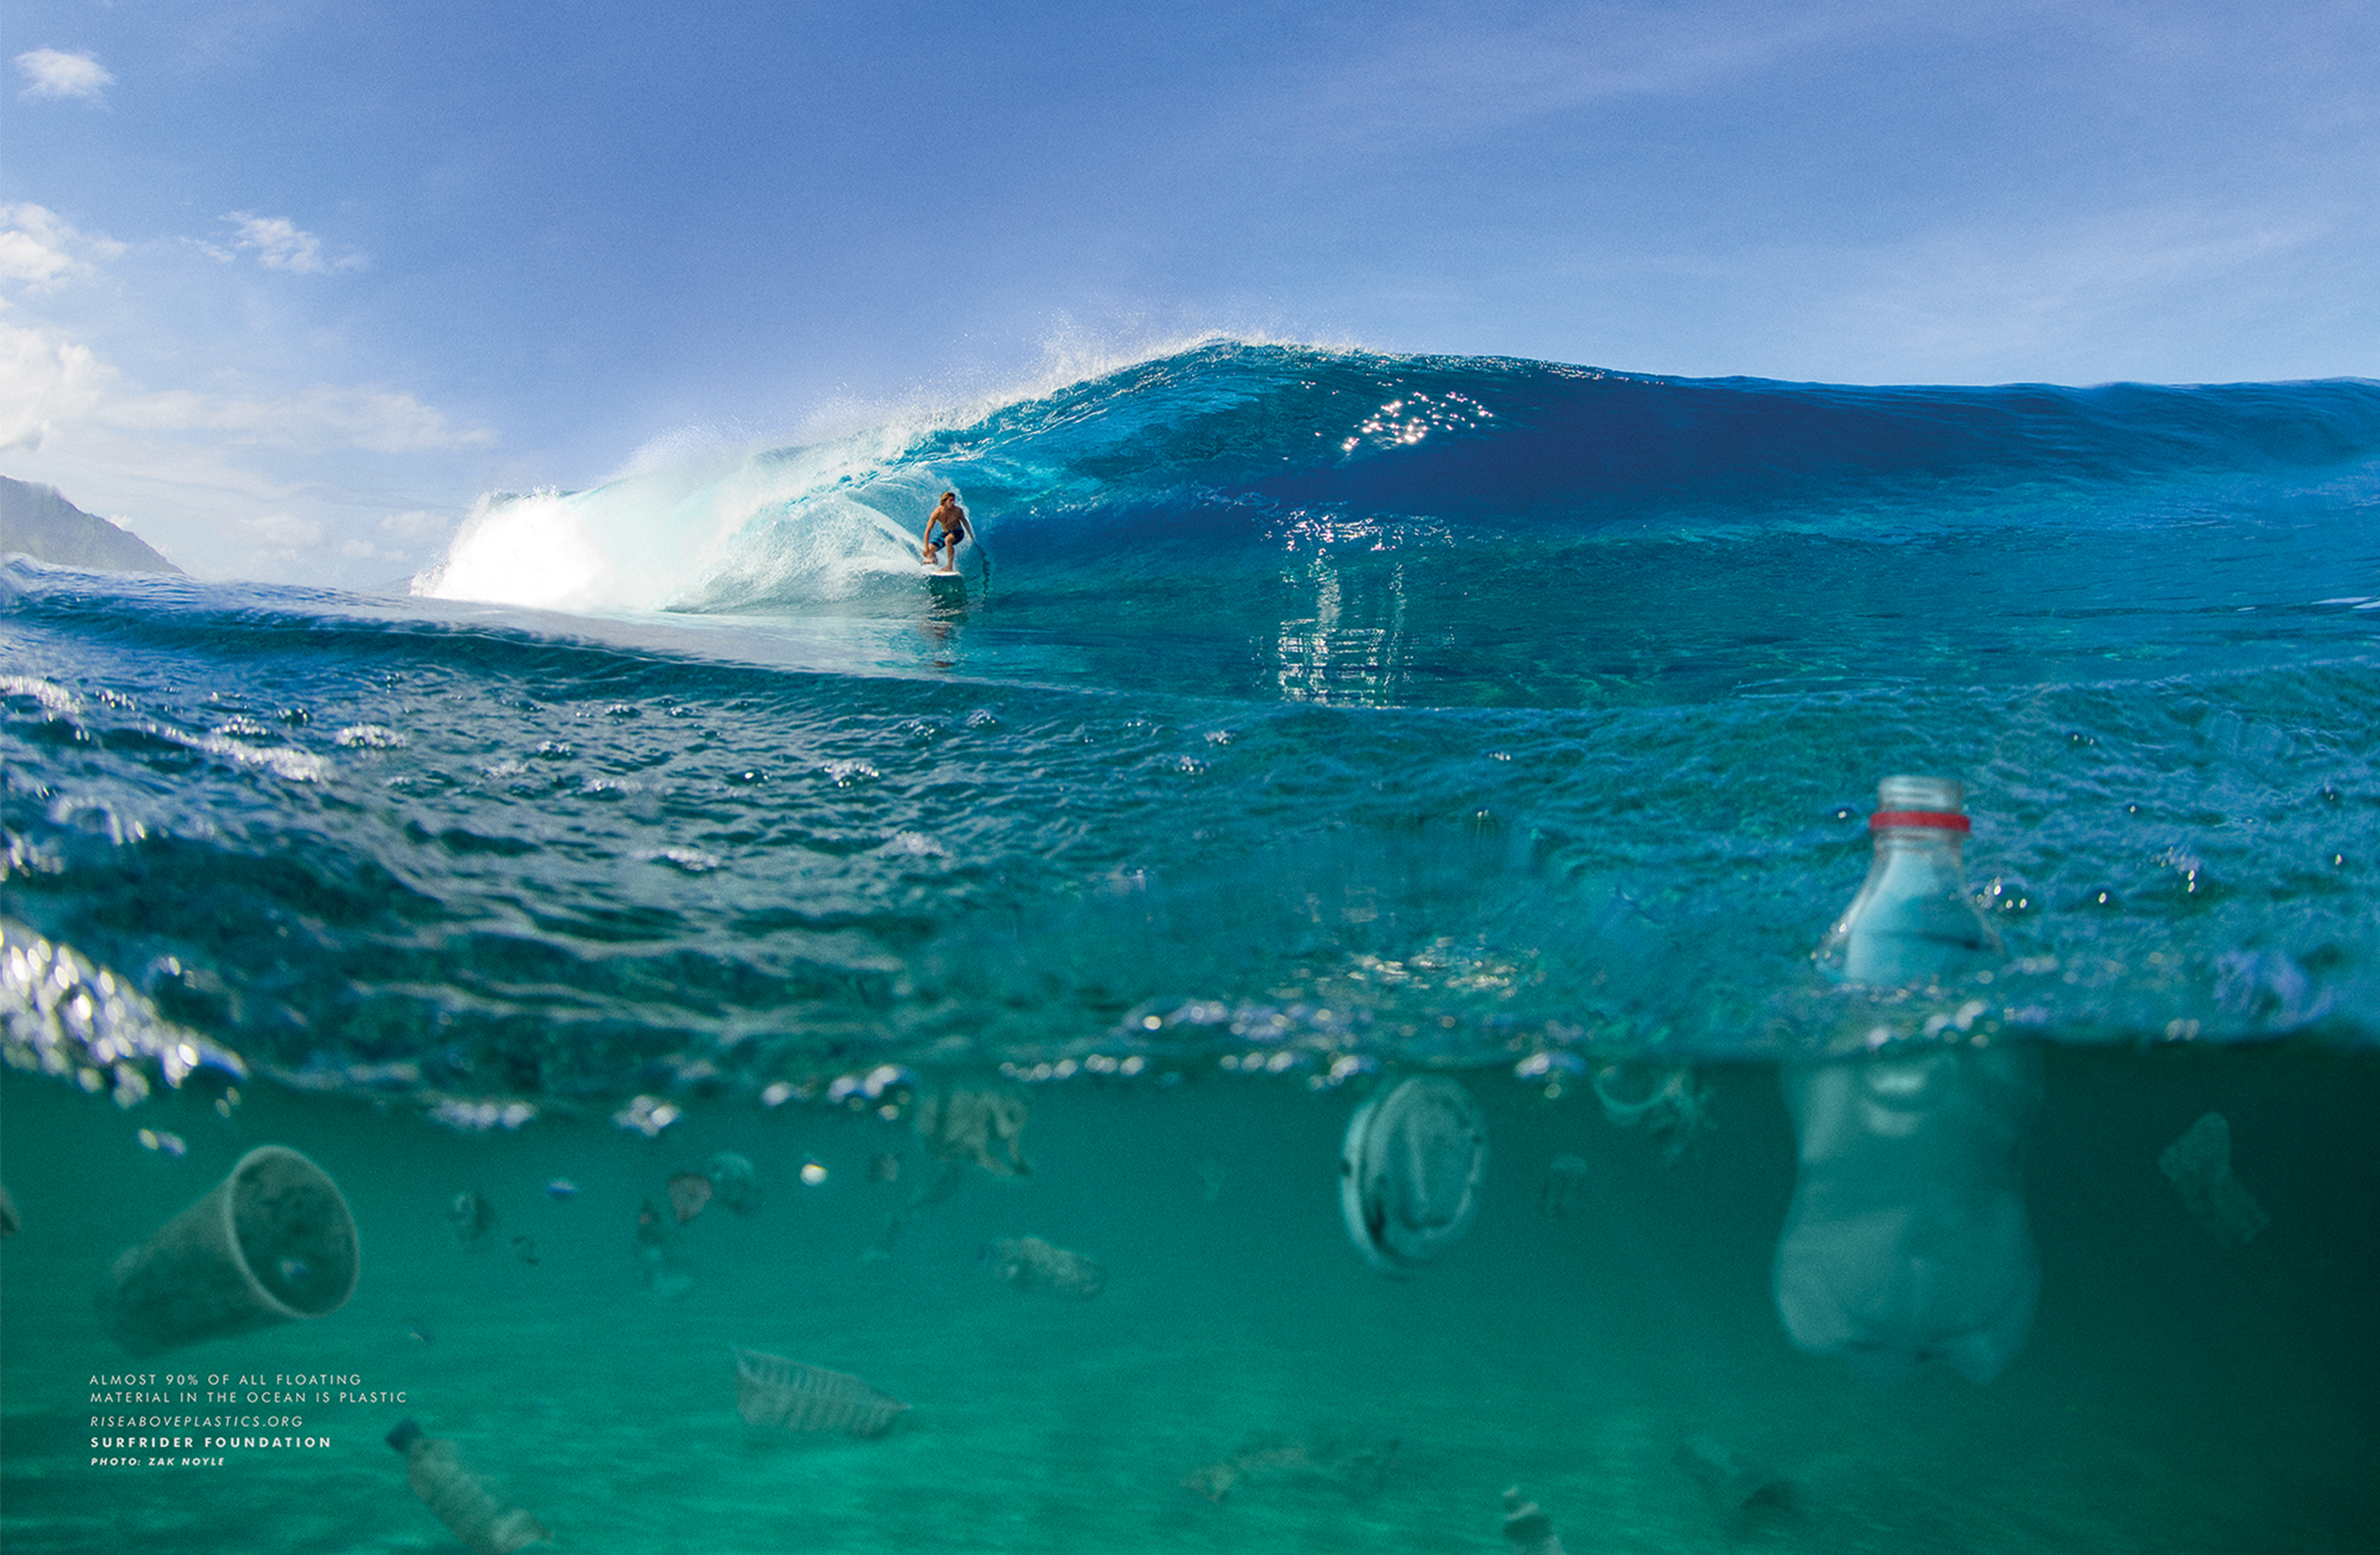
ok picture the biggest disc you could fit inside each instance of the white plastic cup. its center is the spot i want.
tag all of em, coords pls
(273, 1243)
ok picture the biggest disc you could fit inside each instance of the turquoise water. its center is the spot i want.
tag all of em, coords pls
(1301, 720)
(2176, 1396)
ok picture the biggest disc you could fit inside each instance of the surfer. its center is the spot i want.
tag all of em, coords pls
(953, 520)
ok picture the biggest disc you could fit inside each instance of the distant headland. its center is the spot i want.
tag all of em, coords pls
(44, 526)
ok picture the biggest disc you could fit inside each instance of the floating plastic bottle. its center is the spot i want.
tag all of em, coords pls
(461, 1499)
(1912, 920)
(1907, 1238)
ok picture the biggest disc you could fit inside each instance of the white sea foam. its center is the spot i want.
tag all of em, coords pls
(727, 519)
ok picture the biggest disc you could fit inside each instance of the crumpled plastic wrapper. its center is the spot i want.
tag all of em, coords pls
(2200, 1166)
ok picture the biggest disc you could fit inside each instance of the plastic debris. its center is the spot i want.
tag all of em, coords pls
(967, 1121)
(8, 1220)
(978, 1122)
(666, 1274)
(1675, 1111)
(734, 1183)
(688, 1192)
(270, 1244)
(561, 1187)
(1527, 1528)
(884, 1167)
(462, 1500)
(1906, 1241)
(1409, 1172)
(474, 1221)
(1211, 1175)
(1030, 1264)
(2199, 1163)
(1565, 1184)
(1740, 1490)
(773, 1391)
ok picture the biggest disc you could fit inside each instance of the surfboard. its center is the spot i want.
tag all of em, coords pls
(941, 572)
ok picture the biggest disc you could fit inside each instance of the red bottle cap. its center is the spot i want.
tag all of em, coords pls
(1944, 820)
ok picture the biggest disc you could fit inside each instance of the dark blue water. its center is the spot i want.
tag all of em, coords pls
(1297, 712)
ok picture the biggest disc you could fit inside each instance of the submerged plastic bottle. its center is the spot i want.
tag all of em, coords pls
(460, 1498)
(1907, 1239)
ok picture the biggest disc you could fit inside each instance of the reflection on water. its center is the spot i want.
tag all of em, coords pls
(1355, 648)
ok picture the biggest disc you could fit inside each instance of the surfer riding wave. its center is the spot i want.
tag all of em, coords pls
(943, 555)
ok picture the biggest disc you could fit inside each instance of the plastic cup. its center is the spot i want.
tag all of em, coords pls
(271, 1242)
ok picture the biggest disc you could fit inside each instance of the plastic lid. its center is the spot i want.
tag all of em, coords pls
(1927, 802)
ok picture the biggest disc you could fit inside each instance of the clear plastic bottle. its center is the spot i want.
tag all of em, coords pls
(462, 1500)
(1907, 1238)
(1912, 920)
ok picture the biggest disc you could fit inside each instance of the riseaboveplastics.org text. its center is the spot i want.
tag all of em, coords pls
(202, 1439)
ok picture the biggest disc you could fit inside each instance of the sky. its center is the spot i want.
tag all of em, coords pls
(287, 285)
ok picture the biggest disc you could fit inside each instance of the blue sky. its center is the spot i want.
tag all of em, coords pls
(289, 285)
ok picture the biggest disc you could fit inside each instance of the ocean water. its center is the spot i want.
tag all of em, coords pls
(1301, 720)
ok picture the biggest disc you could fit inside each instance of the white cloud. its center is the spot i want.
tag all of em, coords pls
(321, 417)
(54, 73)
(38, 250)
(281, 244)
(44, 379)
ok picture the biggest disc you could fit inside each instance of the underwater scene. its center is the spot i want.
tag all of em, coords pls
(1408, 954)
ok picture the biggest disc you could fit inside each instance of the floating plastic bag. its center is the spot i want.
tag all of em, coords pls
(773, 1391)
(2200, 1166)
(977, 1121)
